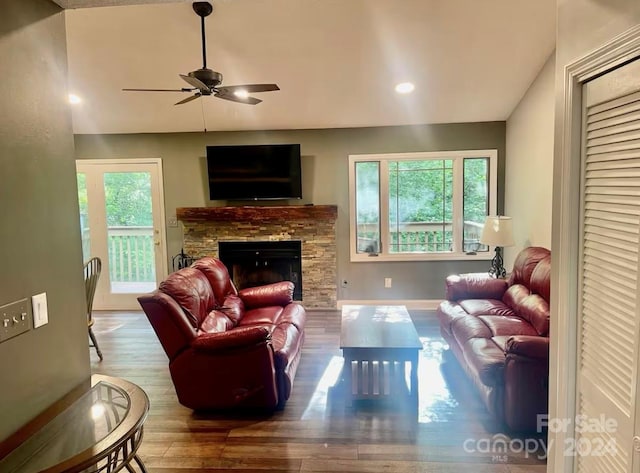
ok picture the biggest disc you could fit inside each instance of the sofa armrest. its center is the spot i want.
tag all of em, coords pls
(278, 293)
(474, 286)
(229, 340)
(529, 346)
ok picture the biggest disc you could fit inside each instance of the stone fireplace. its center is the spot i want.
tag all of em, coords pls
(313, 226)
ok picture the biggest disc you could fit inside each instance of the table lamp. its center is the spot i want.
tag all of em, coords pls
(497, 232)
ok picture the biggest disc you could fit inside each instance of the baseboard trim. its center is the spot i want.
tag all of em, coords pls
(421, 304)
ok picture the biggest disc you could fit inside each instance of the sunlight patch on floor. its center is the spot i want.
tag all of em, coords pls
(317, 407)
(436, 401)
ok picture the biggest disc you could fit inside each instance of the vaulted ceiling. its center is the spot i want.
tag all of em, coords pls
(336, 61)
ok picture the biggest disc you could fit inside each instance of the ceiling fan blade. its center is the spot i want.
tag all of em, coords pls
(198, 84)
(250, 88)
(189, 99)
(184, 89)
(234, 98)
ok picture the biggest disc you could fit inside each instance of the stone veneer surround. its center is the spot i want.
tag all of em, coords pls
(313, 225)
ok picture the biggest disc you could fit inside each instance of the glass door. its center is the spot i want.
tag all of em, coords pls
(122, 221)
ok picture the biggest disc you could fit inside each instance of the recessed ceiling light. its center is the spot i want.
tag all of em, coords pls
(74, 99)
(405, 88)
(241, 93)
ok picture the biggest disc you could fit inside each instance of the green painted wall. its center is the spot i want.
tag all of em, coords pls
(325, 181)
(40, 234)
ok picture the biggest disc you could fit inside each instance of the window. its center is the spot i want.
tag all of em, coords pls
(421, 206)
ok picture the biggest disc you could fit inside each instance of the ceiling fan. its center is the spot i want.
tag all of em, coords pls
(204, 81)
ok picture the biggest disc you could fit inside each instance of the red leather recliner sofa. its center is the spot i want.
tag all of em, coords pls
(499, 332)
(227, 349)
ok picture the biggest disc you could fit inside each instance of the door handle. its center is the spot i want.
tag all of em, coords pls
(636, 443)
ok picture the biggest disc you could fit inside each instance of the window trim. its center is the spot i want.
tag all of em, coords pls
(457, 221)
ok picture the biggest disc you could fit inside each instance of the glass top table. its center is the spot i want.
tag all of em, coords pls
(99, 431)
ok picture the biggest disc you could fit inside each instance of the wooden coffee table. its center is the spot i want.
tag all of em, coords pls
(380, 344)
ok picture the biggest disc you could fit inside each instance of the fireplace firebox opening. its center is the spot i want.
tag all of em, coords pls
(255, 263)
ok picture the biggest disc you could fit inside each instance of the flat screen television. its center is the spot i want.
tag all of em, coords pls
(254, 172)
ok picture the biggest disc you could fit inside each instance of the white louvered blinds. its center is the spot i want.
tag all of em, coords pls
(609, 319)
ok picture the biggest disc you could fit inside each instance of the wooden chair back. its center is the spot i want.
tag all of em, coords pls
(92, 269)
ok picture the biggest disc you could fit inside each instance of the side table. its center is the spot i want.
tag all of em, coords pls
(99, 430)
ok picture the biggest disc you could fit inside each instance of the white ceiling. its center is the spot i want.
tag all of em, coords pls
(336, 61)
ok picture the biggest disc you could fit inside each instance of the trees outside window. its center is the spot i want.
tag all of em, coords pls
(429, 205)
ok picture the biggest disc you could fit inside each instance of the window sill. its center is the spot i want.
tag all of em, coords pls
(380, 258)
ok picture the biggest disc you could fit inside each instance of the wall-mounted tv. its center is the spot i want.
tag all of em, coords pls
(254, 172)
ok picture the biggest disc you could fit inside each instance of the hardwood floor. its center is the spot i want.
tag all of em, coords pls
(316, 432)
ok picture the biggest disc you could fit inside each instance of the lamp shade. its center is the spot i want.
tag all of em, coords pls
(497, 231)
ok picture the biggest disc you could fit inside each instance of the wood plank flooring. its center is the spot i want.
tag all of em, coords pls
(317, 431)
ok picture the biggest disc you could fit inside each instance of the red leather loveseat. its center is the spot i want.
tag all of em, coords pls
(226, 348)
(499, 332)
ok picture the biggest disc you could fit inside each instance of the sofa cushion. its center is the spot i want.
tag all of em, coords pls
(485, 307)
(447, 312)
(541, 279)
(233, 307)
(192, 291)
(466, 328)
(261, 316)
(293, 314)
(485, 359)
(500, 325)
(218, 277)
(531, 307)
(525, 263)
(216, 322)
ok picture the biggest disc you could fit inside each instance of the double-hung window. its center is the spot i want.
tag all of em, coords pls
(421, 206)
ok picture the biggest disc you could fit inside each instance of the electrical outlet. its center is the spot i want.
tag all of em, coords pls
(172, 222)
(40, 312)
(387, 282)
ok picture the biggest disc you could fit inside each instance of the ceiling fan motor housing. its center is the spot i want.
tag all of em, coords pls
(207, 76)
(202, 9)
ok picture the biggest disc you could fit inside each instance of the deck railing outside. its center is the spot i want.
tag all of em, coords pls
(131, 254)
(420, 237)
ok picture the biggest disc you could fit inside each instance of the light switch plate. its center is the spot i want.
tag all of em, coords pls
(15, 318)
(40, 312)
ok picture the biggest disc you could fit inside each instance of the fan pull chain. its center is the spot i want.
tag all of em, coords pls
(204, 121)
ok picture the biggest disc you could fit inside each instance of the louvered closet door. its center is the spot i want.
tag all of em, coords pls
(609, 328)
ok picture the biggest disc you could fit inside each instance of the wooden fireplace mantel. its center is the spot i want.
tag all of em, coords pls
(288, 212)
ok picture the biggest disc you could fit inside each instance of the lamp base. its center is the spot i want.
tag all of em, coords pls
(497, 268)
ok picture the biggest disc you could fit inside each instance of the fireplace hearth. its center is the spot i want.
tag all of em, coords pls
(256, 263)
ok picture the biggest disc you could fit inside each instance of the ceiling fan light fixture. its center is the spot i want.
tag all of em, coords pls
(242, 93)
(74, 99)
(405, 87)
